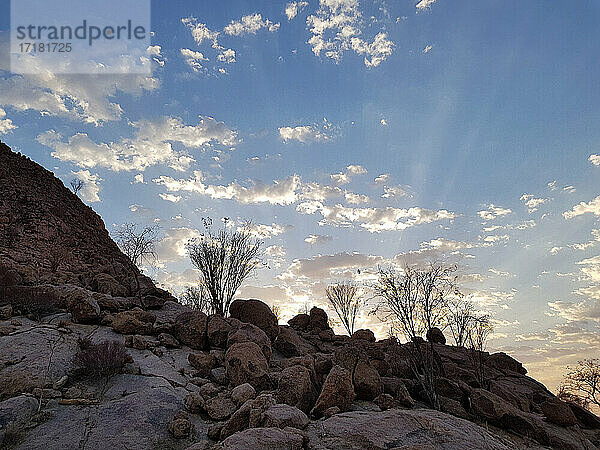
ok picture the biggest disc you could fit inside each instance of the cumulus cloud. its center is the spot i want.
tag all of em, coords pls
(356, 199)
(281, 192)
(374, 220)
(172, 247)
(532, 202)
(336, 27)
(76, 97)
(170, 197)
(227, 56)
(383, 178)
(200, 32)
(139, 179)
(6, 125)
(275, 251)
(344, 177)
(317, 239)
(424, 5)
(592, 207)
(595, 159)
(306, 134)
(91, 185)
(250, 24)
(263, 231)
(151, 145)
(492, 212)
(394, 191)
(293, 8)
(319, 192)
(193, 59)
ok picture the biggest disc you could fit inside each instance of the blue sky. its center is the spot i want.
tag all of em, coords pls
(459, 131)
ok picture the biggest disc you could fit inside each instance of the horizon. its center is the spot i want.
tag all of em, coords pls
(435, 131)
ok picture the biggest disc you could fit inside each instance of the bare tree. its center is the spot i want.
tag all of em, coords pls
(566, 395)
(225, 258)
(276, 309)
(138, 244)
(584, 380)
(346, 302)
(478, 332)
(76, 185)
(460, 320)
(415, 301)
(197, 298)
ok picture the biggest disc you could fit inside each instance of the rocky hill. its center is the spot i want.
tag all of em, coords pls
(106, 367)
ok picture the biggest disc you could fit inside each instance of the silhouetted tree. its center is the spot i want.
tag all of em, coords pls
(346, 301)
(225, 258)
(414, 301)
(478, 332)
(196, 297)
(584, 380)
(76, 185)
(138, 244)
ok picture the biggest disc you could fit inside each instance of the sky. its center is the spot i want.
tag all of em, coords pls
(354, 134)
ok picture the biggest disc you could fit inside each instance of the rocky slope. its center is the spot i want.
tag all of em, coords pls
(88, 362)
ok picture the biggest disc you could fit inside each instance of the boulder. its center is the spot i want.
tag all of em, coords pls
(153, 302)
(217, 331)
(385, 401)
(436, 336)
(202, 362)
(168, 340)
(367, 382)
(397, 389)
(107, 284)
(250, 414)
(126, 323)
(242, 393)
(83, 307)
(503, 362)
(220, 407)
(318, 320)
(587, 418)
(251, 333)
(337, 390)
(400, 429)
(289, 343)
(6, 312)
(263, 439)
(364, 335)
(558, 412)
(246, 363)
(295, 388)
(301, 322)
(190, 329)
(257, 313)
(194, 403)
(180, 426)
(282, 415)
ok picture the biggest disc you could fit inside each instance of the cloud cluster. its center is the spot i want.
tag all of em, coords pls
(492, 212)
(532, 202)
(293, 8)
(6, 125)
(250, 24)
(151, 145)
(336, 27)
(592, 207)
(306, 134)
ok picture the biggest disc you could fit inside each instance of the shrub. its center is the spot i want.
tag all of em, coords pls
(99, 360)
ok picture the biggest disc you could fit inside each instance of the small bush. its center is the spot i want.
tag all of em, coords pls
(99, 360)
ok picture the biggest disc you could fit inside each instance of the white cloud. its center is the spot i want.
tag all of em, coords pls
(172, 247)
(319, 192)
(200, 32)
(151, 144)
(317, 239)
(424, 5)
(336, 27)
(227, 56)
(356, 199)
(154, 51)
(532, 202)
(595, 159)
(91, 185)
(306, 134)
(382, 178)
(321, 267)
(492, 212)
(139, 179)
(344, 177)
(275, 251)
(6, 125)
(394, 191)
(374, 220)
(584, 208)
(293, 8)
(281, 192)
(193, 59)
(76, 97)
(383, 122)
(250, 24)
(263, 231)
(427, 49)
(170, 197)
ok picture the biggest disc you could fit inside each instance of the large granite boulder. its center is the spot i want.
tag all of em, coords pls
(257, 313)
